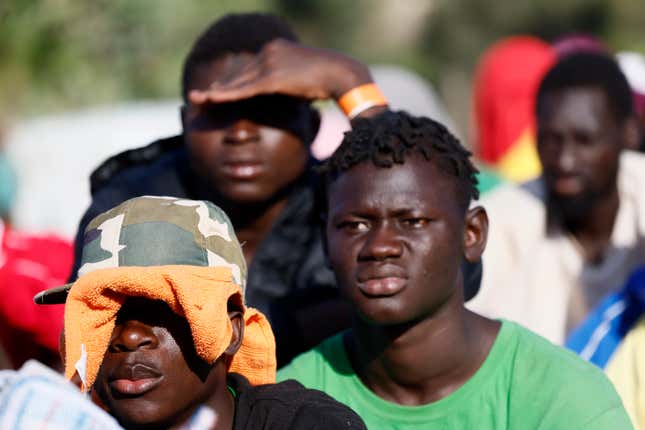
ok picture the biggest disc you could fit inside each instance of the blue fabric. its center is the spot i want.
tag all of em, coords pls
(597, 338)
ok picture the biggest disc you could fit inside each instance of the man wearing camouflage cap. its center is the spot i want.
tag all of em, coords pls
(126, 237)
(157, 327)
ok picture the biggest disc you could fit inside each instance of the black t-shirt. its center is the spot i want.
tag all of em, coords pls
(288, 405)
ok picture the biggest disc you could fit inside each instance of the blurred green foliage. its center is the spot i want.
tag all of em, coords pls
(58, 54)
(61, 54)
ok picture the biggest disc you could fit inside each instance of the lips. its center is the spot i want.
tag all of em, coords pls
(567, 184)
(134, 380)
(242, 169)
(382, 282)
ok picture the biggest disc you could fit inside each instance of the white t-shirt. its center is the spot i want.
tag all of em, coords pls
(36, 397)
(542, 281)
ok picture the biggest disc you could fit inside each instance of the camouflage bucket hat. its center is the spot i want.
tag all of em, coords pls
(158, 231)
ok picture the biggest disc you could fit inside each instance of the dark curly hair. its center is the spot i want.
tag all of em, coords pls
(388, 138)
(233, 34)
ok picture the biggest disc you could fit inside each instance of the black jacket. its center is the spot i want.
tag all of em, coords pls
(288, 279)
(288, 405)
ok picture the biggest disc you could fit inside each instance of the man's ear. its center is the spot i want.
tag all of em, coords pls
(631, 134)
(475, 233)
(237, 324)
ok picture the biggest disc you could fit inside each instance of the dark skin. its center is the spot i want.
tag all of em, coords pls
(151, 376)
(396, 245)
(579, 144)
(251, 155)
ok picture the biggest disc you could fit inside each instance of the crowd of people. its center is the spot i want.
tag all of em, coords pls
(381, 292)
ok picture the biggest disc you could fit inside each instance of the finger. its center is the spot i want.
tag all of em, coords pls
(237, 81)
(241, 92)
(239, 73)
(243, 87)
(217, 94)
(222, 92)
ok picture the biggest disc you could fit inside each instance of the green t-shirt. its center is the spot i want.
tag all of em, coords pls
(524, 383)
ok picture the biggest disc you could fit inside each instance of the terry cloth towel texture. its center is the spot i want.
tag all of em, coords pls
(200, 294)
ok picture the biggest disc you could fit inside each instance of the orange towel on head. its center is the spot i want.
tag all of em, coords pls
(200, 294)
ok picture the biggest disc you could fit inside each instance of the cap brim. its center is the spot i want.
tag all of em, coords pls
(53, 296)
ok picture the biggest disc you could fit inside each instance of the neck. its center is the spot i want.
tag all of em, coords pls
(599, 221)
(424, 361)
(221, 407)
(254, 221)
(593, 229)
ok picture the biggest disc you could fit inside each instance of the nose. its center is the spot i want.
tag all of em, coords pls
(241, 131)
(382, 243)
(567, 157)
(131, 336)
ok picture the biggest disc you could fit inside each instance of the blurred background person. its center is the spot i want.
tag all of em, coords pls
(600, 334)
(558, 245)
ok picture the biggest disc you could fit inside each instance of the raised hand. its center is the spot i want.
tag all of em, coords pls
(289, 68)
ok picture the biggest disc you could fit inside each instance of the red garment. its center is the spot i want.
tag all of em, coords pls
(506, 83)
(29, 264)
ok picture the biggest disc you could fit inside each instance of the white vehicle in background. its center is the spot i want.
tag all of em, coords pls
(53, 157)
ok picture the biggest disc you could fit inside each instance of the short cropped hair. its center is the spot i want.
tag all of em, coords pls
(389, 138)
(233, 34)
(590, 69)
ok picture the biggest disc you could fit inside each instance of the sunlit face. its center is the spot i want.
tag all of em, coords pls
(248, 151)
(395, 240)
(579, 144)
(151, 373)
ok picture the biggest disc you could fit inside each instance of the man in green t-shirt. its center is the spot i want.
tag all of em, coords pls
(397, 199)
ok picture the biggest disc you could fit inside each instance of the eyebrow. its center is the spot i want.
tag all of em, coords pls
(404, 211)
(360, 214)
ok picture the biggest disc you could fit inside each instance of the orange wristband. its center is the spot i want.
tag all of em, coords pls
(360, 99)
